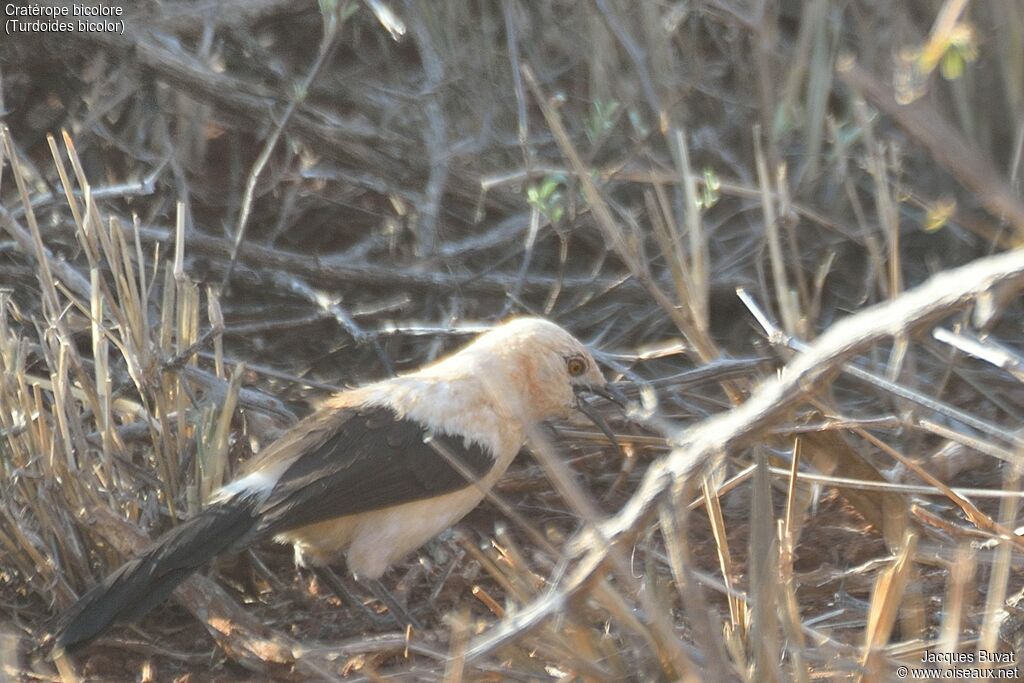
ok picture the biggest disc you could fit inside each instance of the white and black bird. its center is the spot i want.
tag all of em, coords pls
(373, 474)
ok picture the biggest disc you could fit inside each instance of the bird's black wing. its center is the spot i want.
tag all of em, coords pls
(373, 460)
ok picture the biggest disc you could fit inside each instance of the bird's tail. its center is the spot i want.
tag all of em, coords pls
(144, 582)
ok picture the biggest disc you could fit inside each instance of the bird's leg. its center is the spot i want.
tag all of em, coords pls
(342, 592)
(397, 611)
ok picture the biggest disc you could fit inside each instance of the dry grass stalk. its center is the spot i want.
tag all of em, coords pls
(947, 146)
(886, 598)
(997, 588)
(784, 296)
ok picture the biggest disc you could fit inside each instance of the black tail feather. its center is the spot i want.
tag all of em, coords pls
(146, 581)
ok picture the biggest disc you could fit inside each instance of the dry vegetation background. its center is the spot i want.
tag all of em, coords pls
(210, 221)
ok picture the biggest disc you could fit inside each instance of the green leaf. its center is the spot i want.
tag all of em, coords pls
(952, 65)
(710, 189)
(939, 213)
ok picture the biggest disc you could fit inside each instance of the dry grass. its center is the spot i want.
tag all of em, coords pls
(775, 222)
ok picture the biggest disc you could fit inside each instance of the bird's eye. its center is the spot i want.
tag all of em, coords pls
(576, 366)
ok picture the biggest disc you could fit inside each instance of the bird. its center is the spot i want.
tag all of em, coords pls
(374, 473)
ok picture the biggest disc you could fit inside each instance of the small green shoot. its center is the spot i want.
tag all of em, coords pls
(601, 119)
(547, 198)
(711, 189)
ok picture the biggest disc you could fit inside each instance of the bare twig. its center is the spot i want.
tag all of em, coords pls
(330, 32)
(697, 447)
(945, 143)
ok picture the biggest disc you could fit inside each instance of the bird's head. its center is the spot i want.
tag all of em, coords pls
(537, 369)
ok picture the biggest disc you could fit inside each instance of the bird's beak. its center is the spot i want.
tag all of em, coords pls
(608, 391)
